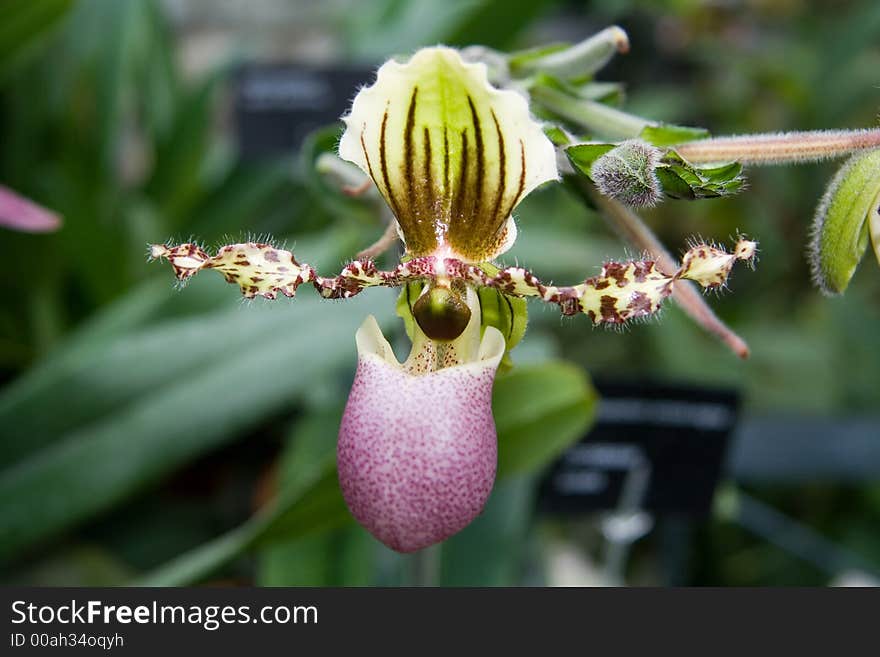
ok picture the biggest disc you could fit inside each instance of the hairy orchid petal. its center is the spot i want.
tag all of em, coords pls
(265, 270)
(622, 291)
(258, 269)
(417, 453)
(451, 154)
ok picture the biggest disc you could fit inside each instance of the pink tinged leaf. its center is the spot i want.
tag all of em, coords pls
(21, 214)
(417, 453)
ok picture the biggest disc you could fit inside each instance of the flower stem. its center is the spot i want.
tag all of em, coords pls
(630, 226)
(424, 566)
(780, 148)
(580, 60)
(602, 120)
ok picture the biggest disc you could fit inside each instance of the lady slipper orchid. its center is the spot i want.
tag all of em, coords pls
(452, 156)
(417, 446)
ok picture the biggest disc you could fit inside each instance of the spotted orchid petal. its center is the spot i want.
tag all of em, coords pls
(451, 154)
(417, 446)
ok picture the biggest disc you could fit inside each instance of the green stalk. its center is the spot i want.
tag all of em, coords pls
(580, 60)
(601, 120)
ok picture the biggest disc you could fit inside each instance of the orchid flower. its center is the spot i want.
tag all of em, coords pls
(452, 156)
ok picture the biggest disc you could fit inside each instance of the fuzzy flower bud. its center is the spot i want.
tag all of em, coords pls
(628, 173)
(843, 220)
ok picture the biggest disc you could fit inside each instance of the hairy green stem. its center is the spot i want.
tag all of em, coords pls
(780, 148)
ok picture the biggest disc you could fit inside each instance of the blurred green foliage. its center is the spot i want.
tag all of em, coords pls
(118, 384)
(154, 436)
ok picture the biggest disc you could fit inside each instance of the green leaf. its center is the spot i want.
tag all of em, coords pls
(315, 505)
(246, 191)
(23, 25)
(339, 556)
(491, 551)
(674, 185)
(666, 134)
(398, 26)
(539, 411)
(179, 416)
(344, 556)
(75, 565)
(682, 180)
(23, 402)
(582, 156)
(557, 135)
(177, 180)
(843, 220)
(124, 50)
(196, 564)
(118, 354)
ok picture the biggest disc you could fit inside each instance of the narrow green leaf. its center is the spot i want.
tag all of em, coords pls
(338, 556)
(93, 467)
(345, 556)
(491, 551)
(557, 135)
(23, 26)
(315, 505)
(196, 564)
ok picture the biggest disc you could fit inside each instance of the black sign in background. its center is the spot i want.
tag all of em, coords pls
(677, 435)
(276, 106)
